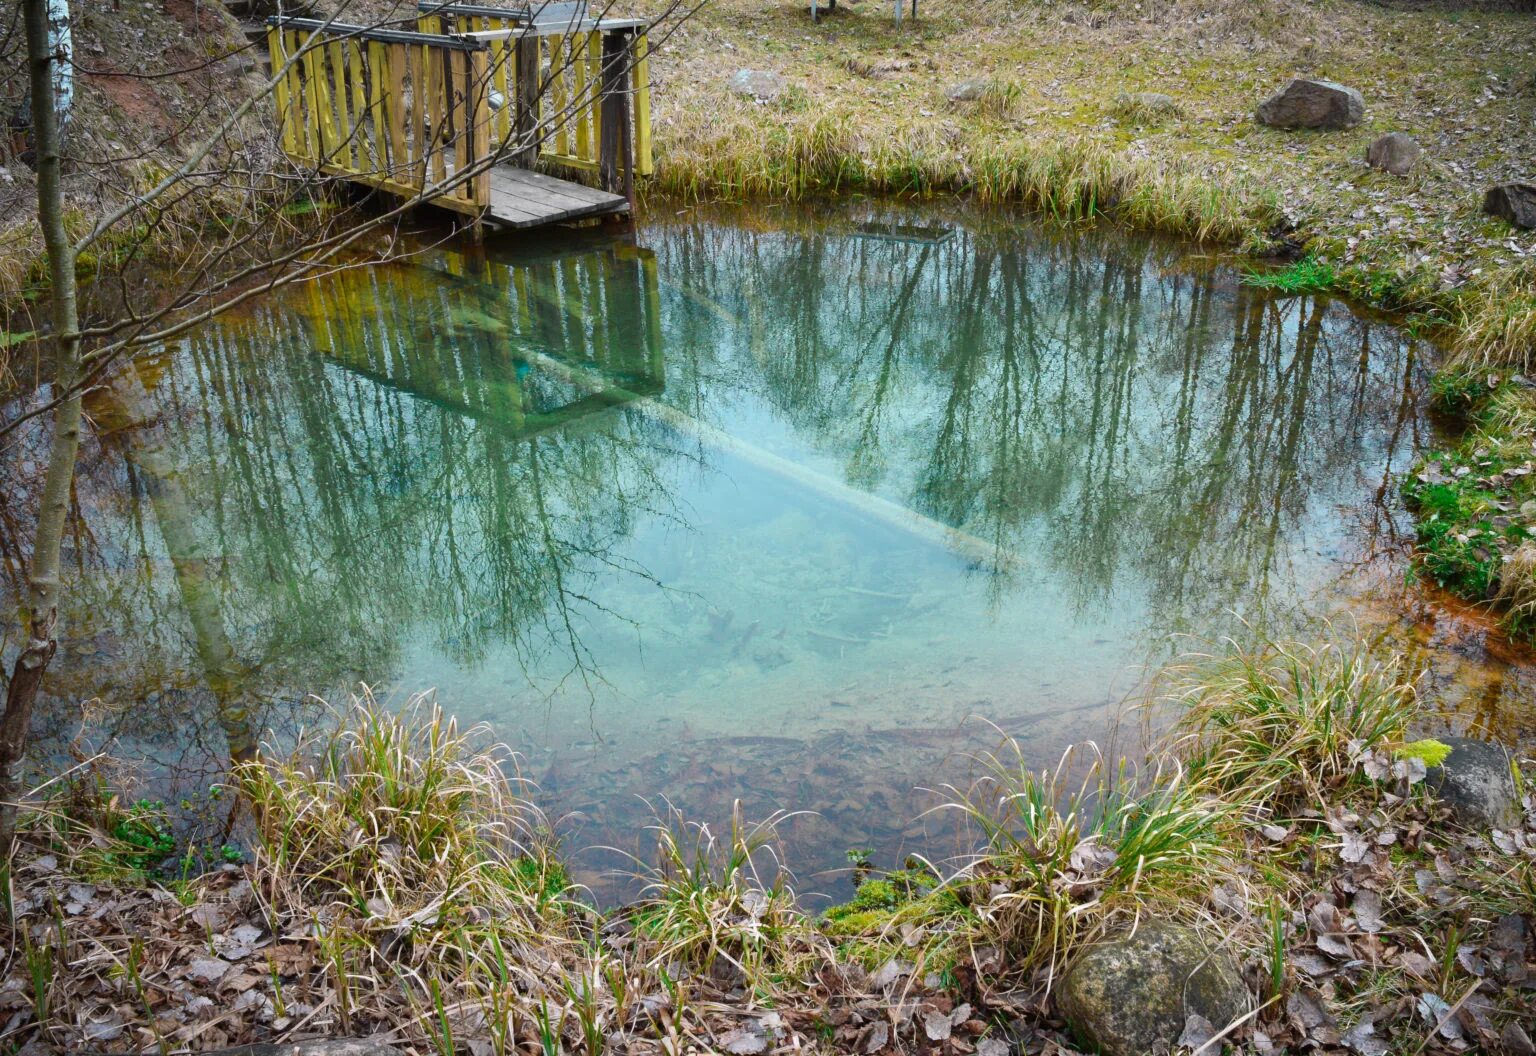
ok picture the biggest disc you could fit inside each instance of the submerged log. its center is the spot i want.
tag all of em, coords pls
(990, 557)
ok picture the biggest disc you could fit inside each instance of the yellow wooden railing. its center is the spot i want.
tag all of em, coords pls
(570, 49)
(408, 111)
(399, 111)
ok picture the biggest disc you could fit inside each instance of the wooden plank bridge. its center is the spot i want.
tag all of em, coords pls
(460, 108)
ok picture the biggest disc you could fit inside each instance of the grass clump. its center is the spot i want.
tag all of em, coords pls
(1063, 859)
(1496, 321)
(400, 811)
(1310, 274)
(1065, 855)
(706, 900)
(1273, 728)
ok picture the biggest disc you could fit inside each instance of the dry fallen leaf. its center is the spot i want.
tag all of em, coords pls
(876, 1037)
(1367, 907)
(1362, 1039)
(744, 1042)
(208, 969)
(1198, 1032)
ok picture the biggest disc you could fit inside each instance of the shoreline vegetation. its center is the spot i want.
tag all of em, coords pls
(400, 883)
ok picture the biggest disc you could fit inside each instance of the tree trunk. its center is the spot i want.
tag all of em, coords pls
(42, 603)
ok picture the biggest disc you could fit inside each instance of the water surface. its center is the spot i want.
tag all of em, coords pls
(776, 506)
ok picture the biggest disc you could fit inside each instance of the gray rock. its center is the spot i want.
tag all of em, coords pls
(1394, 152)
(1134, 995)
(762, 85)
(1476, 782)
(967, 91)
(1515, 202)
(1313, 104)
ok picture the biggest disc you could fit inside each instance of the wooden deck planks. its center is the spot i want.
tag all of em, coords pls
(521, 198)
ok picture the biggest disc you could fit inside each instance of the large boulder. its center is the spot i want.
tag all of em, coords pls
(1134, 995)
(1515, 202)
(1395, 153)
(762, 85)
(1313, 104)
(1477, 783)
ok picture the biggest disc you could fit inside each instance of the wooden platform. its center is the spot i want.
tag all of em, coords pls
(522, 198)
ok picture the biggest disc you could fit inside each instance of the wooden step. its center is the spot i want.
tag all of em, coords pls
(523, 198)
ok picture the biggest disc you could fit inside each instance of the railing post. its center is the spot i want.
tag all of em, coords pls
(478, 126)
(525, 112)
(616, 159)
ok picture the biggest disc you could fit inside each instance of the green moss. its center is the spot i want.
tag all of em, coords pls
(1429, 750)
(847, 923)
(545, 877)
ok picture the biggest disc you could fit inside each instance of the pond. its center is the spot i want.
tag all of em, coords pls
(797, 507)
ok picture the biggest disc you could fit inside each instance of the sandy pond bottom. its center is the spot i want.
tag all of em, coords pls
(797, 507)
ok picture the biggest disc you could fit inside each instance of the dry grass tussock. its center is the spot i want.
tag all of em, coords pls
(1285, 726)
(1497, 323)
(402, 883)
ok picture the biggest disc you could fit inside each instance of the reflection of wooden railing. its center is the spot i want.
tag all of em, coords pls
(408, 112)
(459, 332)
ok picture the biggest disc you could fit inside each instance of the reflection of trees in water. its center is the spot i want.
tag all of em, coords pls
(1135, 417)
(1077, 402)
(259, 517)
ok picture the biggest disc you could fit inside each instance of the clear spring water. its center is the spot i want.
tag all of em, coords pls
(781, 506)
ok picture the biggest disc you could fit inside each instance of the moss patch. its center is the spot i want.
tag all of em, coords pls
(1476, 499)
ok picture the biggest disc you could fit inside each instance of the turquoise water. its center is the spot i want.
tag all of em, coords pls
(794, 507)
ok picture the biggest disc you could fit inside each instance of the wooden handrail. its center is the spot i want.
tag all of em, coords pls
(451, 41)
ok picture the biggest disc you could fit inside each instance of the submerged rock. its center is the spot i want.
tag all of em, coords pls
(1313, 104)
(1476, 782)
(762, 85)
(1514, 202)
(1394, 152)
(1135, 995)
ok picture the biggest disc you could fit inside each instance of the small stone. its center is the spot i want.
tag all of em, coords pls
(1136, 994)
(762, 85)
(1476, 782)
(1513, 202)
(967, 91)
(1146, 104)
(1394, 152)
(1312, 104)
